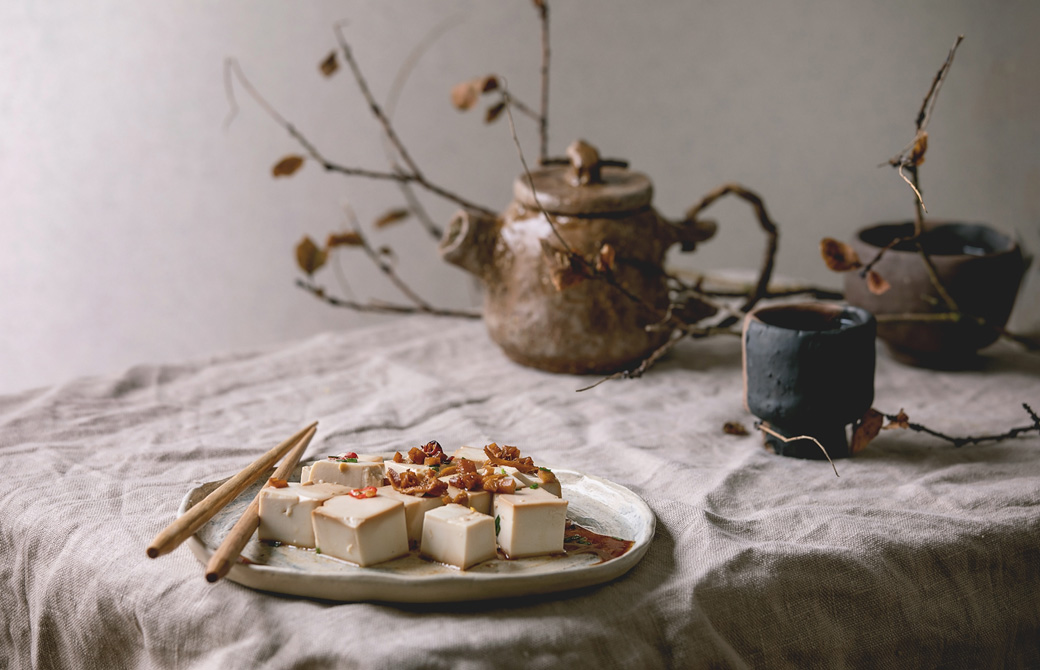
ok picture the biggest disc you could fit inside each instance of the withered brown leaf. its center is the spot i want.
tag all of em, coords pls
(348, 239)
(309, 256)
(901, 421)
(877, 284)
(465, 94)
(391, 217)
(287, 166)
(734, 428)
(329, 65)
(493, 112)
(867, 428)
(838, 256)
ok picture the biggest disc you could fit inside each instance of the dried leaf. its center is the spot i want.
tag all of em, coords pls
(465, 95)
(734, 428)
(391, 217)
(309, 256)
(348, 239)
(606, 259)
(493, 112)
(876, 283)
(838, 256)
(287, 166)
(867, 428)
(329, 65)
(901, 421)
(920, 147)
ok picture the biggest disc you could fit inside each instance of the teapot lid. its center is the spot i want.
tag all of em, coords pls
(584, 185)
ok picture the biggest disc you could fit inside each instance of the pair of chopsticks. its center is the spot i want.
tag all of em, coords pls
(227, 553)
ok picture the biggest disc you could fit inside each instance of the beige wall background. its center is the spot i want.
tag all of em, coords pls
(135, 229)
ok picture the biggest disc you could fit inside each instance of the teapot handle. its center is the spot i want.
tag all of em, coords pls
(692, 230)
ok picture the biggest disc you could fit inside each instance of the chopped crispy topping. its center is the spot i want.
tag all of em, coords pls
(509, 456)
(398, 458)
(428, 454)
(411, 482)
(546, 475)
(277, 483)
(462, 498)
(466, 476)
(498, 483)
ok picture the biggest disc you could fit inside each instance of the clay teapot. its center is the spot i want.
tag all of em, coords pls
(533, 311)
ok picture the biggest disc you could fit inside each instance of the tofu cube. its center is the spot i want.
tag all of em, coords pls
(285, 513)
(534, 481)
(530, 522)
(415, 509)
(475, 454)
(355, 475)
(402, 467)
(365, 531)
(458, 536)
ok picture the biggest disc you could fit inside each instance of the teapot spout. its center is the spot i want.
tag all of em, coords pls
(469, 242)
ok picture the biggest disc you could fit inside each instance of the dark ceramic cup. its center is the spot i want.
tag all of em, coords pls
(980, 267)
(809, 370)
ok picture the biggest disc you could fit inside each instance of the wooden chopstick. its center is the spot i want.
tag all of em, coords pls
(185, 525)
(227, 553)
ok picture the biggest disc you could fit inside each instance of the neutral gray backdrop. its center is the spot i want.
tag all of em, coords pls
(134, 228)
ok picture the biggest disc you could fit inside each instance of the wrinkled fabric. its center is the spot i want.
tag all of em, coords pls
(919, 555)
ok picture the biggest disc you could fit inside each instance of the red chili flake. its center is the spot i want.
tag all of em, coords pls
(367, 492)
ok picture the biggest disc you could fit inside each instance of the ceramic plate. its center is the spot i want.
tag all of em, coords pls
(597, 504)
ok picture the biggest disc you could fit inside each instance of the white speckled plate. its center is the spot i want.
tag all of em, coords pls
(597, 504)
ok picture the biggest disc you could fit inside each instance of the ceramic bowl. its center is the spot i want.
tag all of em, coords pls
(980, 267)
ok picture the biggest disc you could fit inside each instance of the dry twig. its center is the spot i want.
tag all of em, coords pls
(900, 420)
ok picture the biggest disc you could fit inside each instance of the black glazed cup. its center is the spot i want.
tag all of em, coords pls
(809, 370)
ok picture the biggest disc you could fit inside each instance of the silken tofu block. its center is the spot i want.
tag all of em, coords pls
(415, 509)
(355, 475)
(402, 467)
(365, 531)
(475, 454)
(529, 481)
(478, 500)
(285, 513)
(530, 522)
(458, 536)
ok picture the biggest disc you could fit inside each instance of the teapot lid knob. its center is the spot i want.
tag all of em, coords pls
(585, 164)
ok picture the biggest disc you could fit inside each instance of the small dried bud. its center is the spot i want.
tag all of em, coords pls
(877, 284)
(391, 217)
(901, 421)
(308, 256)
(287, 166)
(465, 95)
(606, 259)
(734, 428)
(349, 239)
(920, 147)
(494, 111)
(329, 65)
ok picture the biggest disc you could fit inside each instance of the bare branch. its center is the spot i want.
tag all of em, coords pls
(312, 150)
(543, 117)
(762, 426)
(970, 439)
(380, 307)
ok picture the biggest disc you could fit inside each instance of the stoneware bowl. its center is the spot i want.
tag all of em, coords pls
(980, 267)
(809, 370)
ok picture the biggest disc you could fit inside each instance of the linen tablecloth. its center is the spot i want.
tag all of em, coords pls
(919, 555)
